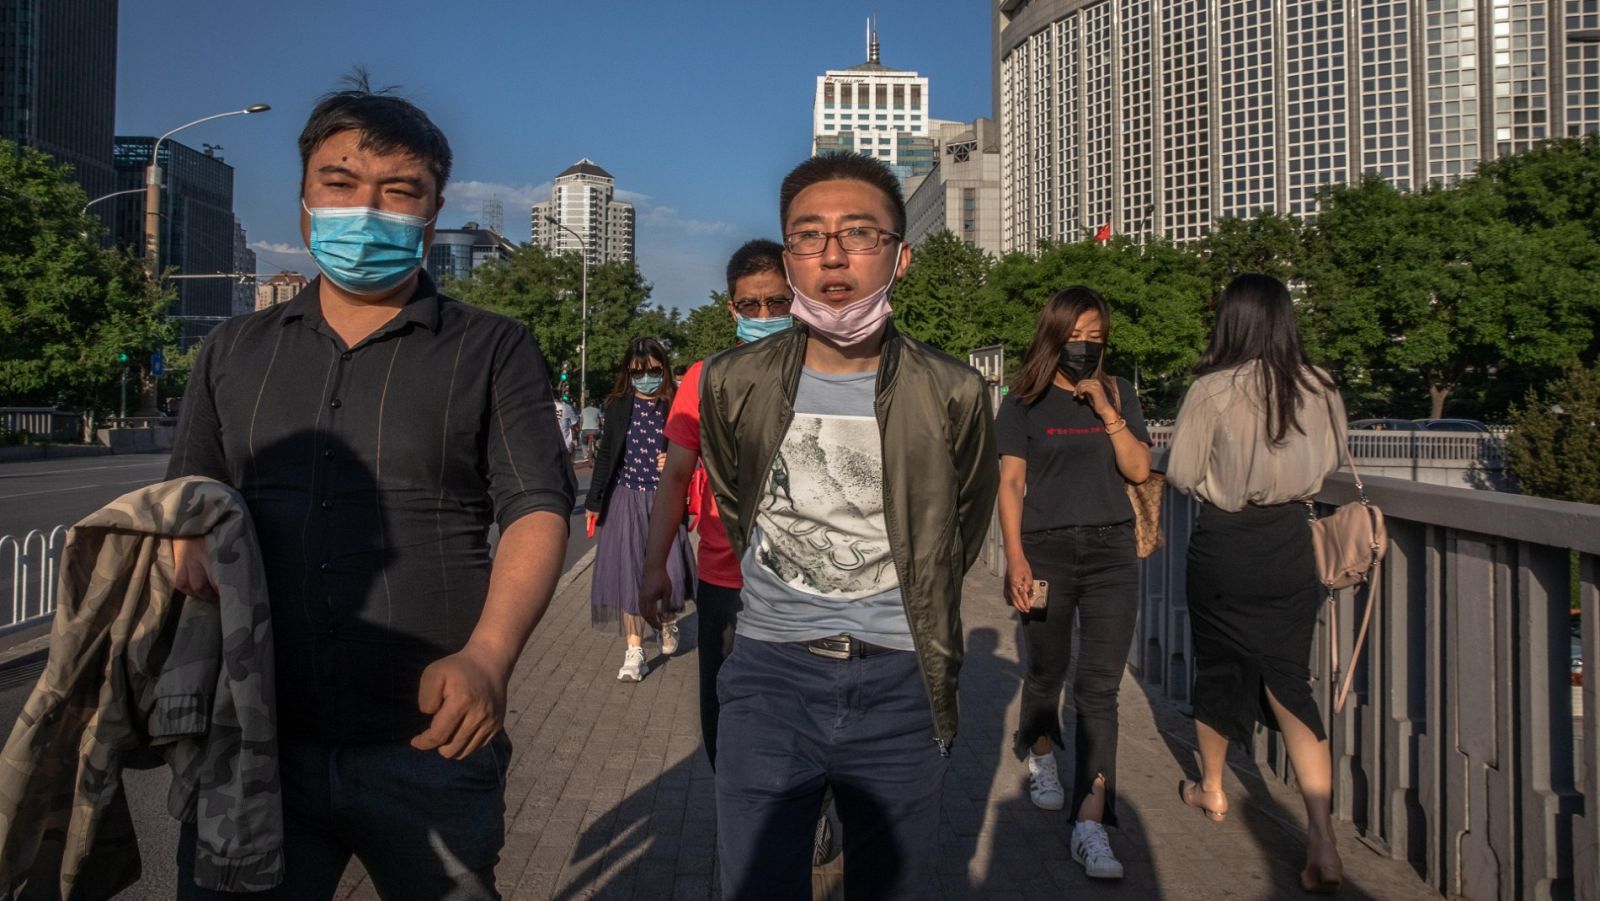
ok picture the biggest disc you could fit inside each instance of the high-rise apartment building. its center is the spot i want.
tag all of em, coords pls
(876, 111)
(584, 200)
(962, 191)
(280, 288)
(197, 226)
(1163, 116)
(58, 84)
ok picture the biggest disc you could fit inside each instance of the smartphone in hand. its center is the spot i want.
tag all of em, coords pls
(1038, 595)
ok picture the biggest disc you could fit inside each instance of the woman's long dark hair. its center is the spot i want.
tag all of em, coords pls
(646, 351)
(1056, 320)
(1256, 323)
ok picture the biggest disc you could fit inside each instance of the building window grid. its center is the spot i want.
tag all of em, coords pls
(1387, 91)
(1317, 126)
(1099, 61)
(1066, 199)
(1185, 99)
(1521, 75)
(1583, 70)
(1138, 113)
(1249, 163)
(1452, 122)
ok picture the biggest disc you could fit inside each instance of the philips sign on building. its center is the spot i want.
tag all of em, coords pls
(876, 111)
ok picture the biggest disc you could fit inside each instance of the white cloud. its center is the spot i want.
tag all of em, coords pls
(667, 217)
(279, 247)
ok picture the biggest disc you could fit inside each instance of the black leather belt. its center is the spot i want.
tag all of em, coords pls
(844, 647)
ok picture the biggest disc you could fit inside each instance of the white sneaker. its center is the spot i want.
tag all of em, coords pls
(632, 666)
(1044, 786)
(1092, 849)
(669, 639)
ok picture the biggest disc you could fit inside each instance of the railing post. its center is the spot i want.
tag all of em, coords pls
(1586, 827)
(1544, 722)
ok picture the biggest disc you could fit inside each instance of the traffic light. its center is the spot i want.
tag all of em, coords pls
(122, 357)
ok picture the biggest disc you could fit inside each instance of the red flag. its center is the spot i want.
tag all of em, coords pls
(1104, 234)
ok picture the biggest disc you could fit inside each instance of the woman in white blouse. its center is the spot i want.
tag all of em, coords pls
(1255, 436)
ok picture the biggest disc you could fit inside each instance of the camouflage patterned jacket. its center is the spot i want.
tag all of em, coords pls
(134, 668)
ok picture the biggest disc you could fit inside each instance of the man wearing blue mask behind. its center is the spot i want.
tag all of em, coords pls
(758, 301)
(376, 430)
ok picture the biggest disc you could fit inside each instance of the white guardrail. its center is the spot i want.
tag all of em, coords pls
(35, 563)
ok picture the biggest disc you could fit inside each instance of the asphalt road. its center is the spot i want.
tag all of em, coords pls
(43, 494)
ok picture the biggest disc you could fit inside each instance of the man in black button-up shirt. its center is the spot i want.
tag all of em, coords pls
(376, 429)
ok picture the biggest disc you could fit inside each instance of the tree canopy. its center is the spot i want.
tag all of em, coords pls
(68, 306)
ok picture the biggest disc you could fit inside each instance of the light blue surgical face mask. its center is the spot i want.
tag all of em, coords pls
(646, 384)
(755, 329)
(363, 250)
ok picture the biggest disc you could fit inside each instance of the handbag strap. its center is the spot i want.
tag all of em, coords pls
(1374, 587)
(1344, 448)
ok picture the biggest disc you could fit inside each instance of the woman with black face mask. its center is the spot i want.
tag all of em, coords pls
(1071, 436)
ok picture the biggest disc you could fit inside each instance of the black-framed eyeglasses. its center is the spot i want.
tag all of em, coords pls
(655, 371)
(856, 239)
(776, 305)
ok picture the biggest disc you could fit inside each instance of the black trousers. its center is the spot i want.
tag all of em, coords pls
(1094, 584)
(716, 613)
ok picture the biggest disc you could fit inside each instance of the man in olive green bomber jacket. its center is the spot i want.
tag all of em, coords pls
(856, 472)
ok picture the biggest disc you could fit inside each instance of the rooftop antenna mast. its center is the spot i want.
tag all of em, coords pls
(494, 214)
(872, 38)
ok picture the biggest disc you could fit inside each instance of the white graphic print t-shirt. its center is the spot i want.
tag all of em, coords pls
(819, 562)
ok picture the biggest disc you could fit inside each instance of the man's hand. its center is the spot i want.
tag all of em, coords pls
(466, 696)
(655, 589)
(590, 520)
(192, 569)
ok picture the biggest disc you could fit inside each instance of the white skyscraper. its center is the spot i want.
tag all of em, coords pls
(1160, 117)
(584, 200)
(876, 111)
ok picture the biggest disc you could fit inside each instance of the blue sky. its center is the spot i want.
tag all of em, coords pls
(698, 109)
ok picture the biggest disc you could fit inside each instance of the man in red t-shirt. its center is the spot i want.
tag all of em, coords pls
(759, 303)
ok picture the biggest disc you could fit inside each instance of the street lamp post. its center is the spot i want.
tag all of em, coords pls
(91, 203)
(152, 188)
(583, 345)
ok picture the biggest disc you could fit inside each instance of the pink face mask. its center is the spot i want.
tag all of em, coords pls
(849, 325)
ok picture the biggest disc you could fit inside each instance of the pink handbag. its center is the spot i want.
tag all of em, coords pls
(1349, 544)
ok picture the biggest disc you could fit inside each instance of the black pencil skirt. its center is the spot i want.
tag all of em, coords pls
(1253, 601)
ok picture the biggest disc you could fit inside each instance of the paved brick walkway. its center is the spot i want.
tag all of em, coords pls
(608, 795)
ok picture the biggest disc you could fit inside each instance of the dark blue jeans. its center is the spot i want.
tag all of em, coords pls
(716, 612)
(793, 724)
(423, 826)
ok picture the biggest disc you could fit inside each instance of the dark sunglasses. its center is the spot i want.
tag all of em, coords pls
(656, 371)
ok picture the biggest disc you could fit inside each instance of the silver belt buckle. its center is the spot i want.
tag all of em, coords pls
(836, 647)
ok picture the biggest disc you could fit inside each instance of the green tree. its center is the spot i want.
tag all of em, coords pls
(1157, 293)
(543, 291)
(707, 330)
(1268, 244)
(941, 300)
(1419, 294)
(1554, 447)
(68, 306)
